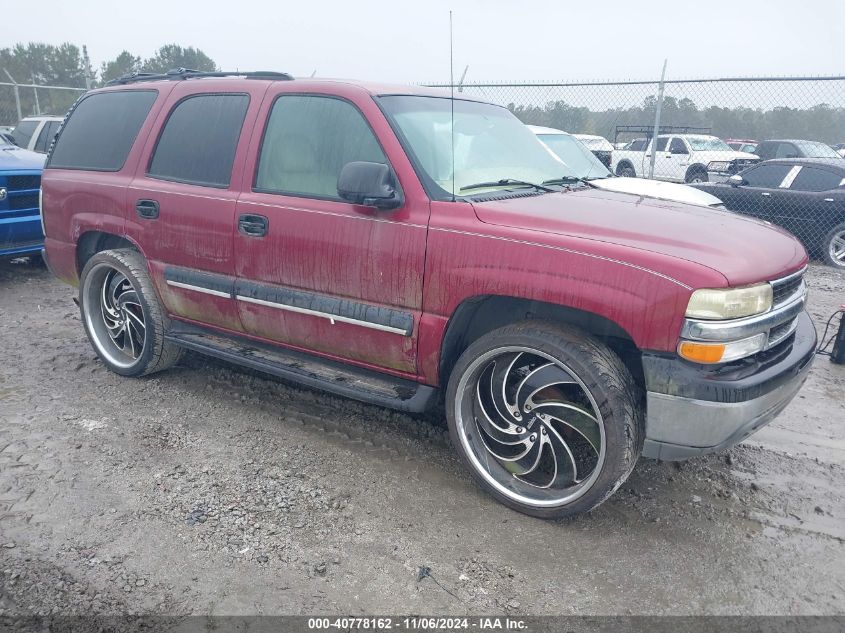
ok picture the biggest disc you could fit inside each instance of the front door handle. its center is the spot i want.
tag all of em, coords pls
(828, 199)
(147, 209)
(766, 193)
(253, 225)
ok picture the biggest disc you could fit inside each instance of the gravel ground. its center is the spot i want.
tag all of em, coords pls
(212, 490)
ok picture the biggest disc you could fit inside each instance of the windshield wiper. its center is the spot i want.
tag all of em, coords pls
(566, 180)
(504, 182)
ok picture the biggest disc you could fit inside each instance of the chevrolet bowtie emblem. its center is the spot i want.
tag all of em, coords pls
(2, 193)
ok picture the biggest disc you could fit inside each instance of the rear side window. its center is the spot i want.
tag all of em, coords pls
(198, 143)
(787, 150)
(810, 179)
(307, 142)
(766, 176)
(23, 132)
(46, 137)
(101, 130)
(661, 144)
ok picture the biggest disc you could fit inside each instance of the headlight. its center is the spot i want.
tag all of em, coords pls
(729, 303)
(718, 165)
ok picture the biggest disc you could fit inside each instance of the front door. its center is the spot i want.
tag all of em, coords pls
(315, 272)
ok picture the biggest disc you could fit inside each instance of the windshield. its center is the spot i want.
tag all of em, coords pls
(707, 144)
(578, 159)
(491, 144)
(813, 149)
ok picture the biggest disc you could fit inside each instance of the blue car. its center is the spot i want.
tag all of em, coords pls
(20, 220)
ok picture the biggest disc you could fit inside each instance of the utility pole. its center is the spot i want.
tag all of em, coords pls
(657, 119)
(86, 61)
(17, 93)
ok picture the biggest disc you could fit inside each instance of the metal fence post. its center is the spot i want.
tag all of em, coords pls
(35, 92)
(17, 93)
(657, 110)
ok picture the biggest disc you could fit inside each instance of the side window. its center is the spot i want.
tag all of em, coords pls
(661, 144)
(307, 142)
(766, 176)
(678, 147)
(101, 130)
(46, 137)
(23, 132)
(811, 179)
(786, 150)
(199, 139)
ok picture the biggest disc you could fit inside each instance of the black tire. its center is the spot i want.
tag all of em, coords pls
(696, 175)
(121, 274)
(833, 250)
(600, 375)
(626, 171)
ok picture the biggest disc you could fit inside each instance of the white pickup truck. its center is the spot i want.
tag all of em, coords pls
(686, 158)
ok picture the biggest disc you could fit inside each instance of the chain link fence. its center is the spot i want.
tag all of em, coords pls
(708, 131)
(22, 100)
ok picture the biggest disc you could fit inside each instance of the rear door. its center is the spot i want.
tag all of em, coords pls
(182, 200)
(663, 168)
(314, 271)
(812, 204)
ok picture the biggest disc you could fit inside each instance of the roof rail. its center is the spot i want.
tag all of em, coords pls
(187, 73)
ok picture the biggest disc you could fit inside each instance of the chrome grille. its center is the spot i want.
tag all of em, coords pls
(786, 289)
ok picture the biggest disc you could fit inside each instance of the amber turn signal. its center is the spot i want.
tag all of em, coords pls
(701, 352)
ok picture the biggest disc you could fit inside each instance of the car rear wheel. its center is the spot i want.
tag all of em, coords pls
(548, 420)
(122, 316)
(834, 246)
(626, 171)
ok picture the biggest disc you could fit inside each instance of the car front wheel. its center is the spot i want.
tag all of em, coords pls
(548, 420)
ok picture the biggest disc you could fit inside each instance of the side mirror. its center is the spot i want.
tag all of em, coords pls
(369, 184)
(736, 180)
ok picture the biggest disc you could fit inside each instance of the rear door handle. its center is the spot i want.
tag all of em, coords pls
(147, 209)
(253, 225)
(828, 199)
(765, 193)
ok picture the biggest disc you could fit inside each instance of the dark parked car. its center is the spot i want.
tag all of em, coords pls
(804, 195)
(792, 148)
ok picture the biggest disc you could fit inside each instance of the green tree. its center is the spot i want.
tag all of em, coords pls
(172, 56)
(124, 64)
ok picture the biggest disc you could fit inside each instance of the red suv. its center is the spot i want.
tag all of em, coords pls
(393, 245)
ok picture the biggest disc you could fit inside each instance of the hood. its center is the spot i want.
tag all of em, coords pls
(745, 251)
(657, 189)
(16, 159)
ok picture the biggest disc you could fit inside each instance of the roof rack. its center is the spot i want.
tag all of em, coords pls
(187, 73)
(648, 130)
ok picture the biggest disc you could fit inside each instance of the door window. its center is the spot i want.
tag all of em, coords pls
(198, 143)
(307, 142)
(23, 132)
(46, 137)
(678, 146)
(661, 144)
(787, 150)
(766, 176)
(812, 179)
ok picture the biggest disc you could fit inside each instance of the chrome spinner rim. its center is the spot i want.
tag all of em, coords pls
(836, 248)
(113, 315)
(530, 426)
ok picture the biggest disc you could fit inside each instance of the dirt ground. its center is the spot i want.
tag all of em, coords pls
(211, 490)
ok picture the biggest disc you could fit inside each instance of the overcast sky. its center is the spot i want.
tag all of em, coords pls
(500, 40)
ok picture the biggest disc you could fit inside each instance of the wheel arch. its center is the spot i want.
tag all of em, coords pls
(693, 169)
(92, 242)
(624, 163)
(478, 315)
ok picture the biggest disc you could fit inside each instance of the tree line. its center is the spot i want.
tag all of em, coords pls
(821, 122)
(69, 65)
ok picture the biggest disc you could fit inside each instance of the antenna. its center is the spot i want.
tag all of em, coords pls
(452, 101)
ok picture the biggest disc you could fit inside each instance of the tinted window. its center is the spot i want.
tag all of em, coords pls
(23, 132)
(766, 176)
(810, 179)
(786, 150)
(101, 130)
(678, 147)
(637, 145)
(199, 140)
(46, 137)
(661, 144)
(307, 142)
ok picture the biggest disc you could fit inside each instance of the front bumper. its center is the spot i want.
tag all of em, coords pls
(694, 410)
